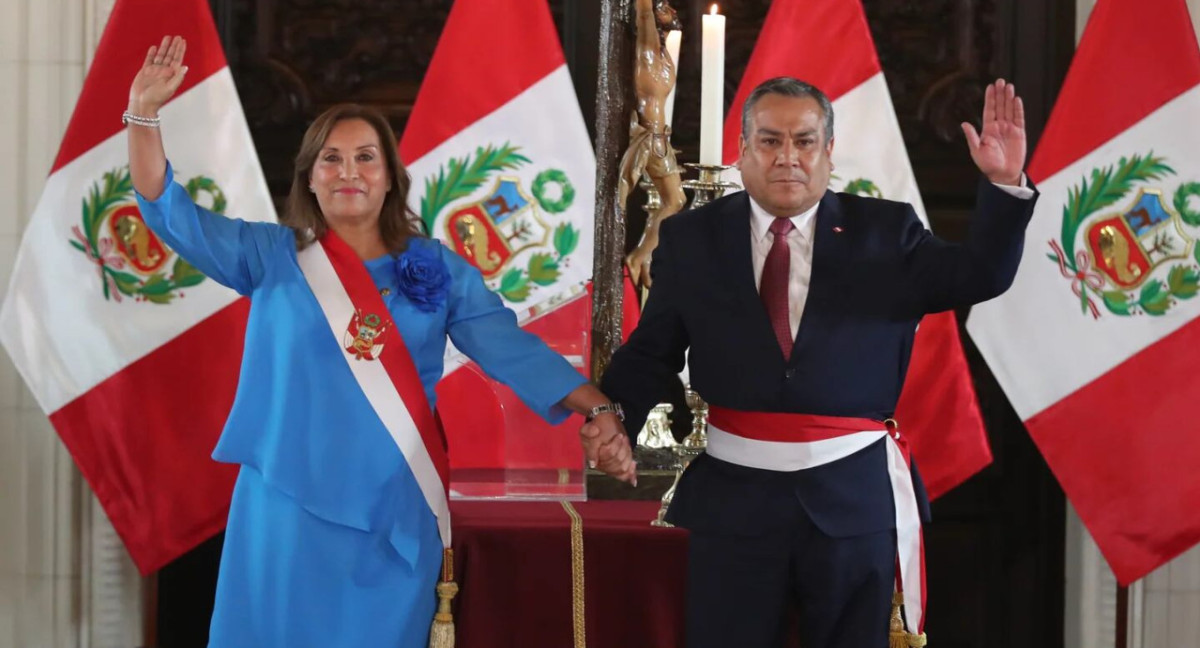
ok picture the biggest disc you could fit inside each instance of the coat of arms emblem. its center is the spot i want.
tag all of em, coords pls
(1136, 254)
(509, 234)
(129, 258)
(365, 335)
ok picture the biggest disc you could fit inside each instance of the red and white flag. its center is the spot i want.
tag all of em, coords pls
(937, 409)
(504, 174)
(502, 165)
(1097, 343)
(132, 352)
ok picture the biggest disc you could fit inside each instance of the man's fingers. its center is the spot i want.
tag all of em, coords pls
(1010, 103)
(1001, 99)
(989, 105)
(972, 137)
(625, 456)
(609, 453)
(615, 453)
(607, 447)
(627, 473)
(609, 436)
(616, 459)
(621, 465)
(612, 454)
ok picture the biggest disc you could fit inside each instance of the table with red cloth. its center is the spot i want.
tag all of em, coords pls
(514, 564)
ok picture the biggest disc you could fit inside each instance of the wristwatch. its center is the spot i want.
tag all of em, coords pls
(615, 408)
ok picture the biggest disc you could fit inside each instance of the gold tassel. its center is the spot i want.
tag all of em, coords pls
(441, 635)
(897, 637)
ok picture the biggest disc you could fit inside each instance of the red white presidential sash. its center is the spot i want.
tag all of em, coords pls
(381, 364)
(790, 442)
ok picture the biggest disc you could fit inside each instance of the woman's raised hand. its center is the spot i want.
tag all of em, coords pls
(159, 78)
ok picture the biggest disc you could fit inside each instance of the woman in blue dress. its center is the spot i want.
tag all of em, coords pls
(330, 540)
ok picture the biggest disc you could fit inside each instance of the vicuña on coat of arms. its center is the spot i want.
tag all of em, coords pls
(1129, 245)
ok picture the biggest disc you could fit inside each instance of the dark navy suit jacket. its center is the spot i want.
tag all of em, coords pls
(876, 271)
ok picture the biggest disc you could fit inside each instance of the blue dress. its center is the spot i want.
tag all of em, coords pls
(329, 541)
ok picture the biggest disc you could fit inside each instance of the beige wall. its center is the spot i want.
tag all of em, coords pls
(64, 579)
(41, 71)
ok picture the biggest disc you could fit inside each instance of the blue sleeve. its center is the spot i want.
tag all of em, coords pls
(232, 252)
(483, 328)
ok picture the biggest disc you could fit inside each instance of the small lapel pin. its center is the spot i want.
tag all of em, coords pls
(837, 229)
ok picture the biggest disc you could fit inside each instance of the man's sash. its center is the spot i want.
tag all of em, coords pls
(381, 364)
(790, 442)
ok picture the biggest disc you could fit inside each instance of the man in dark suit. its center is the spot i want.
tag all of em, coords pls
(797, 307)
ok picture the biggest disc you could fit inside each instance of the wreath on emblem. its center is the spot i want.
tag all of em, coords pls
(113, 192)
(858, 187)
(461, 177)
(1090, 272)
(566, 192)
(863, 187)
(1182, 194)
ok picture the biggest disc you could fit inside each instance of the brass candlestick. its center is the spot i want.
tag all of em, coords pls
(708, 186)
(653, 200)
(693, 444)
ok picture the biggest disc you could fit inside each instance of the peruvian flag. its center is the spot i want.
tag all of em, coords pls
(1097, 343)
(504, 174)
(937, 409)
(132, 352)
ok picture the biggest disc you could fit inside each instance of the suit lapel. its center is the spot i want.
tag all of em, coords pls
(732, 232)
(830, 254)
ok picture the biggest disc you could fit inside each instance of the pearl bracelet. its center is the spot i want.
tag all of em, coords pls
(137, 120)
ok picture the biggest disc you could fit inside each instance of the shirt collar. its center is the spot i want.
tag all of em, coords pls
(760, 221)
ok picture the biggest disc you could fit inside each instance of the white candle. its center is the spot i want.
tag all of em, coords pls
(712, 88)
(673, 39)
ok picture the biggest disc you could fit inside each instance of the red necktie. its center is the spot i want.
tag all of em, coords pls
(773, 287)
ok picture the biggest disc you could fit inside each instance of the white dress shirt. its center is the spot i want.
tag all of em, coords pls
(800, 249)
